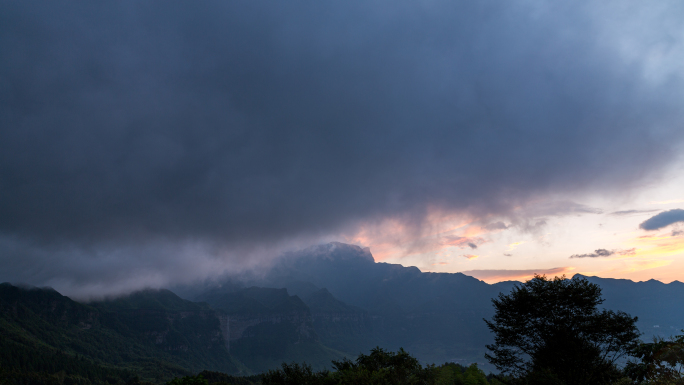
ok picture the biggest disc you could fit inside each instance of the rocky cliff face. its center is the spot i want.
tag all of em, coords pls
(185, 329)
(164, 319)
(235, 327)
(173, 330)
(249, 314)
(264, 327)
(241, 326)
(340, 326)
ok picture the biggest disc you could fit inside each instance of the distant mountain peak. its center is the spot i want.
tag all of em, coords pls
(338, 251)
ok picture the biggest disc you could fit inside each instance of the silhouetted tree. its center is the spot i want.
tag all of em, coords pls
(551, 332)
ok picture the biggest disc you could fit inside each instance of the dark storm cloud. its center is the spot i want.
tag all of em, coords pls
(256, 122)
(595, 254)
(496, 226)
(598, 253)
(663, 219)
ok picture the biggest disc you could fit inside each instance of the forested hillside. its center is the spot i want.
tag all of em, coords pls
(152, 334)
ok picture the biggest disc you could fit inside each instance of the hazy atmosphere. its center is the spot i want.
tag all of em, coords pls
(150, 143)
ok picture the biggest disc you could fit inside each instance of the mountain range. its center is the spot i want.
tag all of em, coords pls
(315, 305)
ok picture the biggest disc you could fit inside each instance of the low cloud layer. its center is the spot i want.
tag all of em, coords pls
(663, 219)
(600, 253)
(243, 125)
(496, 226)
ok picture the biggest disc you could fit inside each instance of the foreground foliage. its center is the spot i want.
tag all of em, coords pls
(661, 362)
(454, 374)
(217, 378)
(379, 367)
(551, 332)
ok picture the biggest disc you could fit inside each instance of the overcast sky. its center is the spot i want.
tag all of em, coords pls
(144, 143)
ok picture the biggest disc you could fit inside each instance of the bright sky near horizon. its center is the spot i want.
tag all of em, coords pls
(600, 237)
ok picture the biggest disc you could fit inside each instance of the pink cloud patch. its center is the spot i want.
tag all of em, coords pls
(463, 242)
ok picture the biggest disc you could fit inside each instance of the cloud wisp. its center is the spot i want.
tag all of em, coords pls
(631, 212)
(602, 253)
(240, 124)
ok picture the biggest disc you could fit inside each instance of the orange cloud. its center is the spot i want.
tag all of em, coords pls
(462, 242)
(514, 245)
(654, 237)
(474, 231)
(647, 264)
(394, 238)
(493, 276)
(471, 256)
(658, 245)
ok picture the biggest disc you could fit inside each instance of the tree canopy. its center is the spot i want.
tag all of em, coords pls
(551, 331)
(380, 367)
